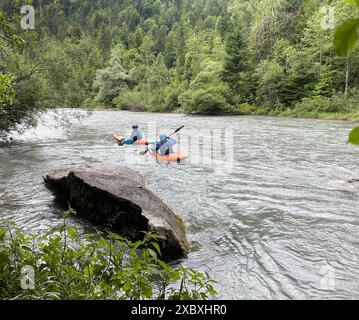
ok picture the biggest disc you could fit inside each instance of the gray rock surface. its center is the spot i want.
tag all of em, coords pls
(119, 198)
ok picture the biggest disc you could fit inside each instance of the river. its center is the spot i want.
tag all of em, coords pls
(279, 222)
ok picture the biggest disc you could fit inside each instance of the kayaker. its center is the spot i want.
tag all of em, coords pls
(165, 145)
(133, 136)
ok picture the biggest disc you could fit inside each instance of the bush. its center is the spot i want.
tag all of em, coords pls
(171, 94)
(91, 103)
(243, 109)
(211, 100)
(130, 100)
(69, 265)
(336, 104)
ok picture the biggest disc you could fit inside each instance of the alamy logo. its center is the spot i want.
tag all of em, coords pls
(27, 278)
(28, 19)
(327, 282)
(328, 21)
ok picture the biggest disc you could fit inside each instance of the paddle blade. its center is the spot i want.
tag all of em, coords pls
(142, 153)
(180, 128)
(174, 132)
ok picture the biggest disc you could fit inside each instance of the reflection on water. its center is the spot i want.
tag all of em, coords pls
(270, 228)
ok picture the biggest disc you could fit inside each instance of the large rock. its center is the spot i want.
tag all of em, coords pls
(118, 197)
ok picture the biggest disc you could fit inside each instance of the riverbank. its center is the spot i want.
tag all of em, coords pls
(305, 114)
(254, 111)
(337, 107)
(319, 115)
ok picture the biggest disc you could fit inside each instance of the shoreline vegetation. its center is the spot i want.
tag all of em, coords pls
(248, 111)
(65, 264)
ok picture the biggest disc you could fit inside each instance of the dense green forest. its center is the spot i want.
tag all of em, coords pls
(194, 56)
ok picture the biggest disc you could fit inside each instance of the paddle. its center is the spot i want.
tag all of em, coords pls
(173, 133)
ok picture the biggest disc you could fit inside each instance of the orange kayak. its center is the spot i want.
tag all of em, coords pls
(119, 138)
(171, 157)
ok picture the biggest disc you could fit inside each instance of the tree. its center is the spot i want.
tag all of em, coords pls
(270, 77)
(271, 52)
(110, 81)
(207, 94)
(14, 79)
(236, 62)
(7, 92)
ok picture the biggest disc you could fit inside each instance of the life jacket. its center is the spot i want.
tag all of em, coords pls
(135, 135)
(165, 147)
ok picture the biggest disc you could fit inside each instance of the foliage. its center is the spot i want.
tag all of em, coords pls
(7, 92)
(8, 38)
(354, 136)
(345, 40)
(338, 103)
(111, 80)
(346, 37)
(68, 70)
(71, 265)
(236, 63)
(270, 77)
(12, 112)
(211, 99)
(130, 100)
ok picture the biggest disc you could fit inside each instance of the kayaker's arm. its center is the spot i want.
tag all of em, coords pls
(170, 143)
(129, 136)
(169, 137)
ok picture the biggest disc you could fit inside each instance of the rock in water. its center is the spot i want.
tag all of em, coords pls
(118, 197)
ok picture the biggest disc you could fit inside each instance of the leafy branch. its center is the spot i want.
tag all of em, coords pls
(345, 40)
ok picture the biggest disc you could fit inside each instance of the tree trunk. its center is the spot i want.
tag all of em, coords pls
(40, 5)
(347, 78)
(321, 41)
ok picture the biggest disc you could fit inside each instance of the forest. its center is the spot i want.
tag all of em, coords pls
(270, 57)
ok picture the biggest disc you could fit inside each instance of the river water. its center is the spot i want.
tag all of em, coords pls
(275, 220)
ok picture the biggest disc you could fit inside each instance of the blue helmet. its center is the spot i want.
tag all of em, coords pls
(163, 137)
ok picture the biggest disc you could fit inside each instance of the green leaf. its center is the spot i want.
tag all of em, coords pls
(175, 276)
(146, 289)
(354, 136)
(26, 248)
(137, 244)
(53, 295)
(152, 253)
(354, 3)
(2, 233)
(163, 264)
(127, 286)
(345, 37)
(72, 233)
(157, 247)
(211, 290)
